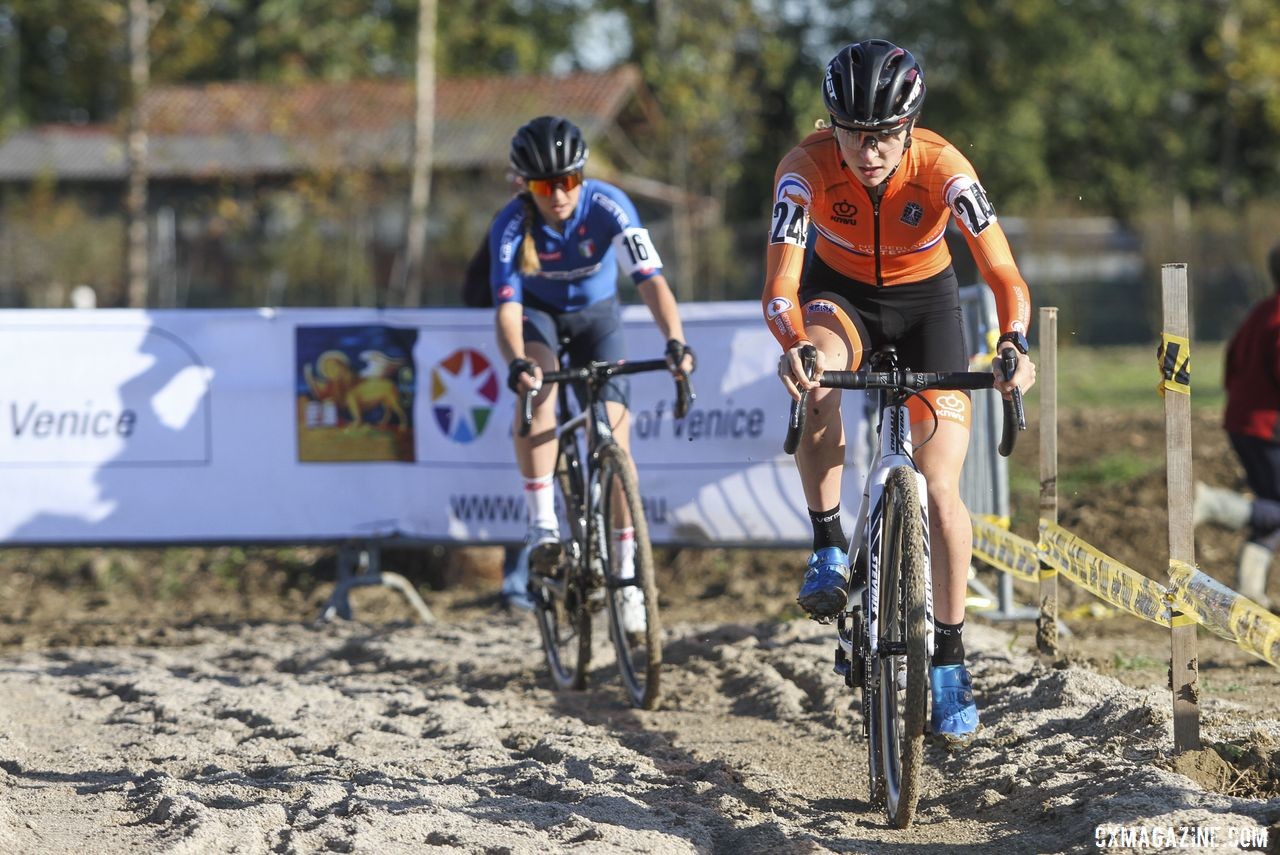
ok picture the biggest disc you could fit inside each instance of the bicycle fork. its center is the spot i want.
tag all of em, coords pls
(858, 628)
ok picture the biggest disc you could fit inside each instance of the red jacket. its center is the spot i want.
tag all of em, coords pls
(1252, 377)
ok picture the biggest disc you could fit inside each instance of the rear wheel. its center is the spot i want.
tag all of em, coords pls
(901, 680)
(632, 600)
(561, 599)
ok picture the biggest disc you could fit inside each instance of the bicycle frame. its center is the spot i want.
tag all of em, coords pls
(589, 430)
(893, 450)
(597, 501)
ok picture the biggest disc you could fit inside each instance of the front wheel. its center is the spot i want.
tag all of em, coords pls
(901, 673)
(564, 622)
(622, 537)
(561, 601)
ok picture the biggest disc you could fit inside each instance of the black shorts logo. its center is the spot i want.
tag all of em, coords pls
(912, 214)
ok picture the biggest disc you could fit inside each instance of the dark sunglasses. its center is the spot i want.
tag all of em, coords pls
(547, 186)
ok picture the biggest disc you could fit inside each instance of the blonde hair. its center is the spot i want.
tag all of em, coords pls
(821, 125)
(529, 263)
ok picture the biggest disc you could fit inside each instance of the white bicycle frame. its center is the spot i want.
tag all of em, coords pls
(893, 450)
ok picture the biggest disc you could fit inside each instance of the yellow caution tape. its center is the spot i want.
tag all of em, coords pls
(1193, 597)
(1004, 550)
(1225, 612)
(1174, 357)
(1102, 575)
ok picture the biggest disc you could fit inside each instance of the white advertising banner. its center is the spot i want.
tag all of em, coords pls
(296, 425)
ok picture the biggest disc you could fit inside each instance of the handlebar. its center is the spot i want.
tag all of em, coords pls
(1014, 415)
(598, 372)
(795, 421)
(913, 381)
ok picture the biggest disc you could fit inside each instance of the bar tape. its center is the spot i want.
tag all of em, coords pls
(1174, 358)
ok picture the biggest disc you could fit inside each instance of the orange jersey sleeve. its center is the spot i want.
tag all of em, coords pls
(965, 197)
(796, 188)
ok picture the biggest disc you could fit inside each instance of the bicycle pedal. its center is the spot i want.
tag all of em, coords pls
(544, 559)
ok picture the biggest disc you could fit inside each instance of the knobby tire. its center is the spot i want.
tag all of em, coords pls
(901, 714)
(564, 622)
(639, 658)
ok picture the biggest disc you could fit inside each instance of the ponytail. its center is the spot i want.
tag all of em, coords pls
(529, 263)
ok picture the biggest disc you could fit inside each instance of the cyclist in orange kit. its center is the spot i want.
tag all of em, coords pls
(878, 193)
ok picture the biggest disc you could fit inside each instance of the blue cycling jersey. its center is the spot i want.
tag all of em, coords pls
(578, 261)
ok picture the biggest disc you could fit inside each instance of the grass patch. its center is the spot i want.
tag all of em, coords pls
(1136, 662)
(1111, 470)
(1125, 377)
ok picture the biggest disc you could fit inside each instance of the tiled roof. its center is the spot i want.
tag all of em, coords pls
(230, 129)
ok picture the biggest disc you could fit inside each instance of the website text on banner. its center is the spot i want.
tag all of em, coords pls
(331, 424)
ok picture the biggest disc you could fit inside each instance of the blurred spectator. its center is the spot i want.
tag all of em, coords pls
(477, 294)
(1252, 421)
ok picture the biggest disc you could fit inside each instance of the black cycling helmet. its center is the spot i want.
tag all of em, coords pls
(873, 85)
(548, 147)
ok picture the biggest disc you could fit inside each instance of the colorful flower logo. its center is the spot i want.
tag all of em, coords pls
(464, 388)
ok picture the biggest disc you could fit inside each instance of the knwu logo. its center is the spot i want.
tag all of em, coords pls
(951, 406)
(464, 389)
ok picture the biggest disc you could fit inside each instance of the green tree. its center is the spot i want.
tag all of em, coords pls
(1116, 106)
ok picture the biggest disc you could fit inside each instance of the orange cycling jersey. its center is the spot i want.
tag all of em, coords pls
(894, 241)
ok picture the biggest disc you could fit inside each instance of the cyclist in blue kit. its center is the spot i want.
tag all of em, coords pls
(554, 250)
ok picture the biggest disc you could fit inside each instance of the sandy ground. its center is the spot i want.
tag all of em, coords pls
(185, 702)
(355, 738)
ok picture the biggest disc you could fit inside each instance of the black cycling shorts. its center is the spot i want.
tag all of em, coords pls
(922, 319)
(593, 333)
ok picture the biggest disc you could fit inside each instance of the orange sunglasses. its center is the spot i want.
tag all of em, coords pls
(547, 186)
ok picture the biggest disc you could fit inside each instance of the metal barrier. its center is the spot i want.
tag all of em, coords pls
(984, 482)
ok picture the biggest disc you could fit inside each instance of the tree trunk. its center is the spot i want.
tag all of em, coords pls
(136, 196)
(424, 128)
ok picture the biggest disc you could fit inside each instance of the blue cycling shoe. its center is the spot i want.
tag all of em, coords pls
(515, 583)
(825, 588)
(954, 715)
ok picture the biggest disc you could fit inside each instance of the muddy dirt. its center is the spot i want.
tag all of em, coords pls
(185, 701)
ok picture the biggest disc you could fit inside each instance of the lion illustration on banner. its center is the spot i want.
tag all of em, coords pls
(334, 379)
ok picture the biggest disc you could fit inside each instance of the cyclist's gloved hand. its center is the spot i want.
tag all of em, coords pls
(791, 369)
(680, 357)
(1024, 376)
(517, 370)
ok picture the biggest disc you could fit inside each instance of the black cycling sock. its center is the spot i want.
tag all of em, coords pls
(827, 530)
(948, 643)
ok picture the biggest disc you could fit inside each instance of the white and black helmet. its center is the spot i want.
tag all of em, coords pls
(873, 85)
(548, 147)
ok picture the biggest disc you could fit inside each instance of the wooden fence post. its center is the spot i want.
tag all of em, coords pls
(1047, 622)
(1176, 367)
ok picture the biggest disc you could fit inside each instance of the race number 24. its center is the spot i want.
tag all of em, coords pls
(788, 224)
(972, 207)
